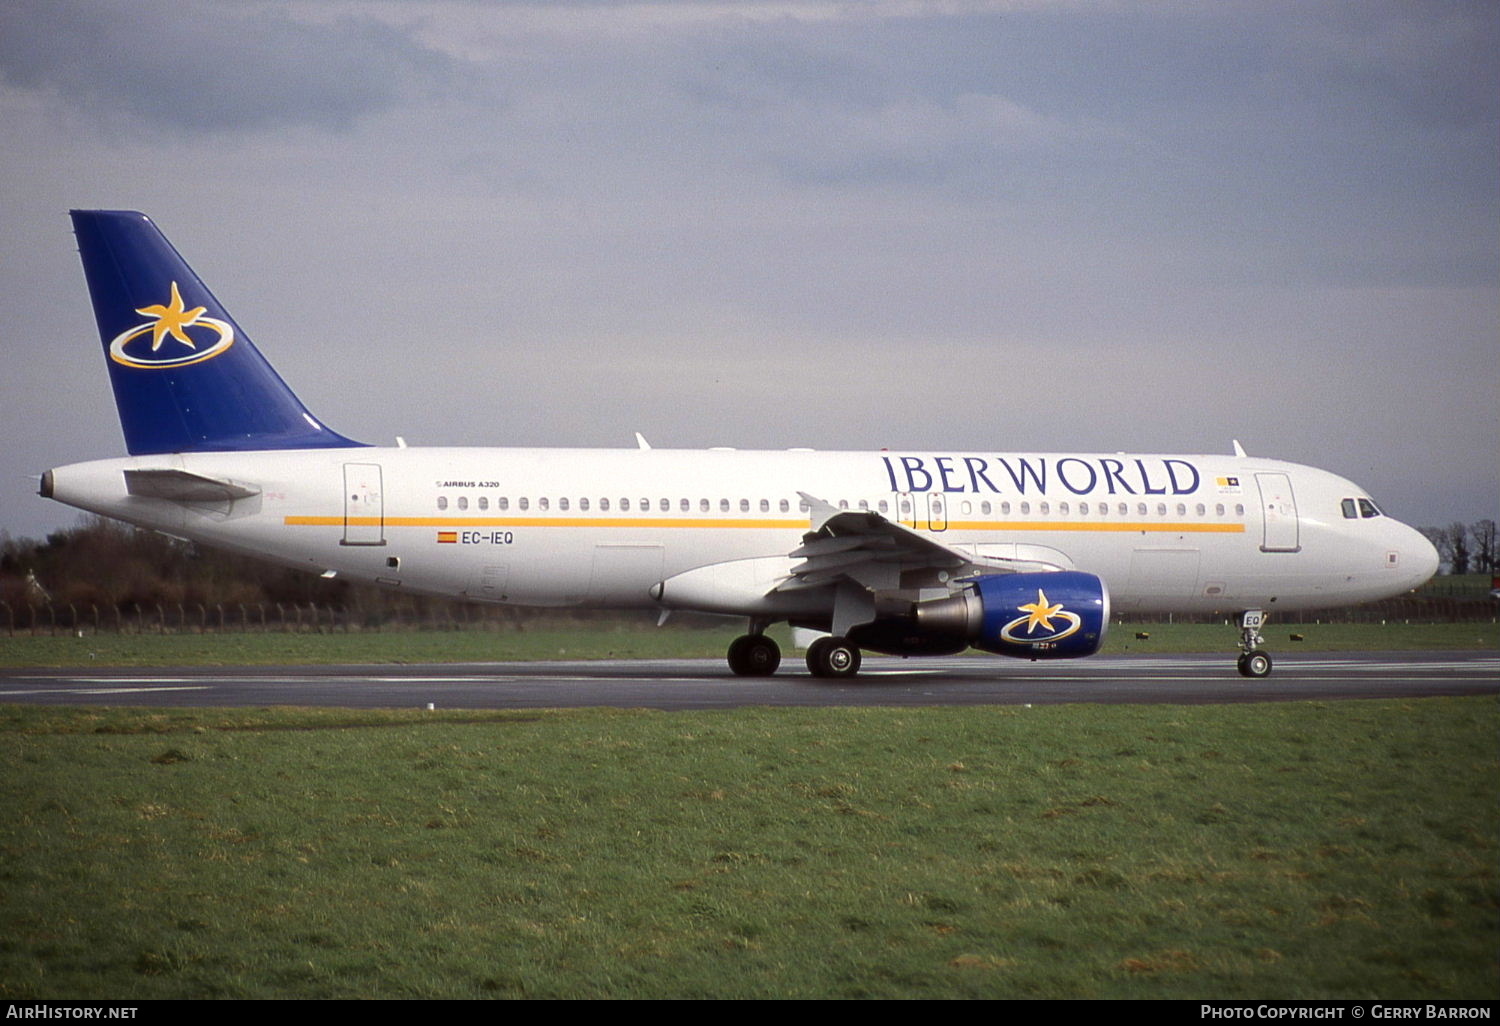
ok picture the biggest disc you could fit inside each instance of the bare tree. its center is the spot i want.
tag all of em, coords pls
(1458, 546)
(1483, 534)
(1439, 538)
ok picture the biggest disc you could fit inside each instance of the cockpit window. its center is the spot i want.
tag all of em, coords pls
(1367, 509)
(1350, 511)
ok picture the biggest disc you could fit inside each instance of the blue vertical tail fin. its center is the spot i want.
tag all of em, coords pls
(185, 377)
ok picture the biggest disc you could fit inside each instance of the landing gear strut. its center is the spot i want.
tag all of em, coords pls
(754, 655)
(1254, 661)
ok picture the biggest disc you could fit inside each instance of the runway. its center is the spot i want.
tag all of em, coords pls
(708, 684)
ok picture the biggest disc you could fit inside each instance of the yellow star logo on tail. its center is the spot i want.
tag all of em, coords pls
(171, 320)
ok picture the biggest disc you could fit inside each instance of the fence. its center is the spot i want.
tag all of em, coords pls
(313, 617)
(250, 617)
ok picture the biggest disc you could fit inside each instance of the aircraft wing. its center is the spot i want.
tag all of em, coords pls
(865, 548)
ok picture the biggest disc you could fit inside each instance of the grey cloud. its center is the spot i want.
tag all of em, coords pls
(198, 68)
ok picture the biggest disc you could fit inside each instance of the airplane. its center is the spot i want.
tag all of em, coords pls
(910, 553)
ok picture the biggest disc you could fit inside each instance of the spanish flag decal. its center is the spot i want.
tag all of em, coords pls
(448, 537)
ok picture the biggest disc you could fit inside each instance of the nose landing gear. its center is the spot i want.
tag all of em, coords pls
(1254, 661)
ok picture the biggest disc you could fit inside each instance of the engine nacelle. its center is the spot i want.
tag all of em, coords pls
(1031, 616)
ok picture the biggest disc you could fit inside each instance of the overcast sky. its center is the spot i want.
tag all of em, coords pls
(968, 225)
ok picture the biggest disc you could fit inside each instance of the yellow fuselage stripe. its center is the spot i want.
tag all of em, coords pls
(1116, 526)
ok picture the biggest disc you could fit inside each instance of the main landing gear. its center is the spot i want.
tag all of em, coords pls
(755, 655)
(833, 658)
(1254, 661)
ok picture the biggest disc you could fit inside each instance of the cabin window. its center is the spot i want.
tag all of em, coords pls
(1161, 509)
(1200, 509)
(1025, 509)
(802, 505)
(541, 503)
(723, 505)
(744, 505)
(843, 504)
(562, 503)
(523, 503)
(1062, 508)
(583, 505)
(786, 506)
(864, 504)
(703, 506)
(966, 507)
(1219, 510)
(1140, 509)
(463, 502)
(442, 502)
(666, 505)
(484, 502)
(984, 508)
(1182, 509)
(1083, 509)
(1239, 509)
(765, 505)
(905, 506)
(502, 503)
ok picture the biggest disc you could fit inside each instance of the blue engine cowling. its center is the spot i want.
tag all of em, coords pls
(1059, 615)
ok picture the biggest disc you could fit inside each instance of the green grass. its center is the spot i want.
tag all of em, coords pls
(1338, 850)
(606, 640)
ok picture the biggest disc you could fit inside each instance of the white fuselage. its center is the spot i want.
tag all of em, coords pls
(595, 527)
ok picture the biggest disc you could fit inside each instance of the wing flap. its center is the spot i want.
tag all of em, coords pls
(864, 548)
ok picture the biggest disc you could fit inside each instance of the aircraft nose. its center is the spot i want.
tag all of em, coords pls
(1411, 555)
(1422, 558)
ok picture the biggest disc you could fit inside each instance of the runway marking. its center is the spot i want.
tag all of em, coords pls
(415, 680)
(1471, 665)
(103, 691)
(134, 680)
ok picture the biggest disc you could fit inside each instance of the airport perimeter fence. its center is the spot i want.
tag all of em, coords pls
(321, 618)
(251, 618)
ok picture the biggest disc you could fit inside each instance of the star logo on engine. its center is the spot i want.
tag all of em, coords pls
(1040, 614)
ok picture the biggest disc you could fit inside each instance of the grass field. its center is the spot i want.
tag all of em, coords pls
(630, 640)
(1313, 850)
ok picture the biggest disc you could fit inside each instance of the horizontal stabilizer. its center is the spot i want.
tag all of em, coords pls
(181, 486)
